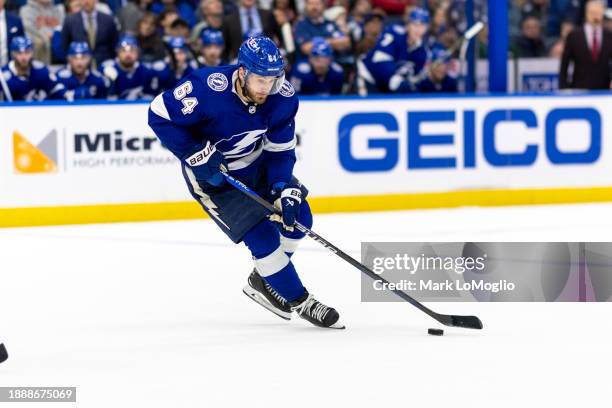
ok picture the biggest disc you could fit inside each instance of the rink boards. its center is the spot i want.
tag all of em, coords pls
(100, 162)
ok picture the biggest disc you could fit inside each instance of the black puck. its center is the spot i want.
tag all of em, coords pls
(3, 353)
(435, 332)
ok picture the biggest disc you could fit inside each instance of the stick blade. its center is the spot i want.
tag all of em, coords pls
(468, 322)
(472, 31)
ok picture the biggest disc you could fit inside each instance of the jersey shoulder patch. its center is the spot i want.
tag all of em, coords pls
(217, 81)
(158, 65)
(303, 68)
(398, 29)
(64, 73)
(37, 64)
(336, 67)
(287, 89)
(108, 62)
(95, 72)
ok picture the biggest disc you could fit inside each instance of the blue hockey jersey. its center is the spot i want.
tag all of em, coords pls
(448, 85)
(140, 83)
(166, 77)
(306, 82)
(93, 87)
(205, 107)
(40, 84)
(391, 65)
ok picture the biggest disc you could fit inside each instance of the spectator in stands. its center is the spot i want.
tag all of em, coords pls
(211, 48)
(394, 7)
(28, 79)
(589, 49)
(285, 11)
(211, 12)
(521, 9)
(285, 14)
(184, 9)
(248, 18)
(371, 30)
(130, 15)
(166, 18)
(398, 58)
(176, 66)
(358, 10)
(339, 15)
(559, 11)
(482, 43)
(319, 75)
(128, 78)
(530, 44)
(179, 28)
(40, 19)
(96, 28)
(315, 25)
(439, 20)
(80, 81)
(437, 78)
(10, 27)
(556, 49)
(149, 39)
(72, 6)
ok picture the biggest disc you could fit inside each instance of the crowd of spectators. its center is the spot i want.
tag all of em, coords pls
(134, 49)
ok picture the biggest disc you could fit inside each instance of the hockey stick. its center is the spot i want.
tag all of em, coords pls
(468, 322)
(459, 43)
(5, 89)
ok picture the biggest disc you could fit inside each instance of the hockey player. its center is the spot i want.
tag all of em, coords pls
(80, 81)
(176, 66)
(240, 118)
(320, 75)
(26, 79)
(212, 48)
(398, 57)
(437, 78)
(129, 79)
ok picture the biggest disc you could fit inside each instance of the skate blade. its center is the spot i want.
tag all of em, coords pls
(337, 326)
(260, 300)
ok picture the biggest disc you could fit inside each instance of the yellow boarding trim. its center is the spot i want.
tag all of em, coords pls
(35, 216)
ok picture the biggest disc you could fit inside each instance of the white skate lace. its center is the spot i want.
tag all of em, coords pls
(318, 312)
(275, 294)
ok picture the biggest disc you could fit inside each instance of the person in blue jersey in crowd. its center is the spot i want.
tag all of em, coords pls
(399, 56)
(314, 24)
(438, 78)
(319, 75)
(241, 119)
(81, 81)
(25, 79)
(128, 78)
(211, 50)
(176, 66)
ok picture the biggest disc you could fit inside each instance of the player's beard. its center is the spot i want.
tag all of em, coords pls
(258, 99)
(23, 69)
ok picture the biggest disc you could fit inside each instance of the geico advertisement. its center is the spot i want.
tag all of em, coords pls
(106, 153)
(85, 154)
(434, 144)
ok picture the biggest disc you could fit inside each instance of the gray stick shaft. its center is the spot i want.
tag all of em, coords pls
(5, 89)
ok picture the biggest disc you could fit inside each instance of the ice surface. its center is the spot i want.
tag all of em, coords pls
(152, 315)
